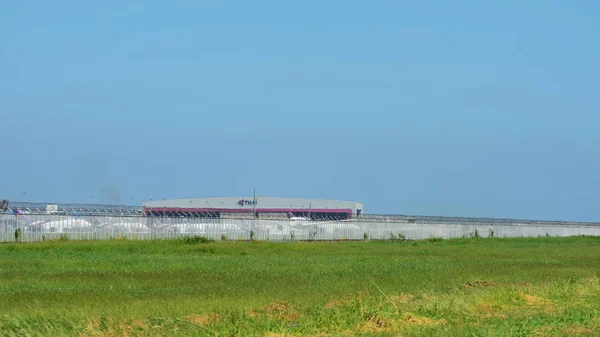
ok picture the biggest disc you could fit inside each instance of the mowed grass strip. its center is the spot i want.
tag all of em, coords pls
(511, 287)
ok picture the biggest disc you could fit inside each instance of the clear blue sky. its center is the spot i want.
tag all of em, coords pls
(459, 108)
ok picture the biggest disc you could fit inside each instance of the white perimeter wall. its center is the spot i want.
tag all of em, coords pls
(45, 227)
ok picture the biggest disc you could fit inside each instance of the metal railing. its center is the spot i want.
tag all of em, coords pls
(126, 210)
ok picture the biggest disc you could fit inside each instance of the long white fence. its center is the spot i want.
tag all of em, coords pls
(40, 227)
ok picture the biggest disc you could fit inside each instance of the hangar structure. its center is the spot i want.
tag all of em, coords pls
(216, 207)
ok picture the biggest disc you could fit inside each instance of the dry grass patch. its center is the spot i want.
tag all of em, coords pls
(375, 324)
(589, 287)
(378, 324)
(276, 310)
(538, 302)
(94, 323)
(278, 334)
(487, 311)
(112, 327)
(204, 319)
(337, 303)
(138, 323)
(285, 334)
(580, 331)
(420, 320)
(535, 300)
(396, 300)
(545, 331)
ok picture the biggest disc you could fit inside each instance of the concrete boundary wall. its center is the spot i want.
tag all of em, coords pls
(32, 228)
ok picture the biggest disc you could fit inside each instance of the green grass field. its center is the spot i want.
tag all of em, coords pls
(465, 287)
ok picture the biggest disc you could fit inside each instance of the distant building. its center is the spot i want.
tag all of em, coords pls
(216, 207)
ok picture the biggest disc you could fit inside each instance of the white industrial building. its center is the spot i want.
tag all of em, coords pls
(215, 207)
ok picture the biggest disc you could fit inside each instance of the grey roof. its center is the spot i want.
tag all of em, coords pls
(262, 202)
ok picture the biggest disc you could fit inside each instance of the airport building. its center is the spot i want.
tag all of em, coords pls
(217, 207)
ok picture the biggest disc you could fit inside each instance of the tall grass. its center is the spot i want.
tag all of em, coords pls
(514, 287)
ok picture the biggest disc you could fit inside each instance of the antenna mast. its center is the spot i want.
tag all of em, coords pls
(254, 203)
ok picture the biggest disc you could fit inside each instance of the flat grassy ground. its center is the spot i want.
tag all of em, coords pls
(465, 287)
